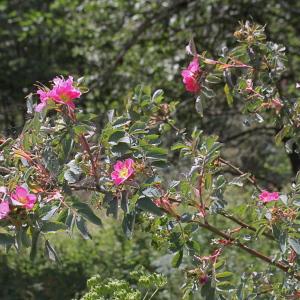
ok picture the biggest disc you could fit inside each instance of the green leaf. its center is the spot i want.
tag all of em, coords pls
(121, 121)
(50, 252)
(85, 211)
(212, 78)
(35, 237)
(199, 106)
(81, 226)
(73, 173)
(120, 149)
(208, 291)
(146, 204)
(115, 137)
(190, 228)
(51, 161)
(62, 216)
(47, 212)
(6, 239)
(177, 259)
(155, 152)
(208, 181)
(138, 128)
(112, 204)
(224, 275)
(219, 264)
(178, 146)
(124, 201)
(194, 245)
(128, 224)
(152, 192)
(53, 227)
(281, 134)
(159, 163)
(225, 285)
(295, 244)
(22, 238)
(228, 95)
(158, 96)
(207, 92)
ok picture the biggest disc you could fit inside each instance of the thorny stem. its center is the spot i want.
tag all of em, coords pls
(201, 174)
(244, 225)
(253, 252)
(88, 188)
(250, 179)
(234, 219)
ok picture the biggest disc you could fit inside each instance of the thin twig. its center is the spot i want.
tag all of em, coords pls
(234, 219)
(253, 252)
(250, 179)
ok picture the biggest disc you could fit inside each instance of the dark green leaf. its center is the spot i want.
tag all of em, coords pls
(53, 227)
(146, 204)
(128, 224)
(295, 244)
(177, 259)
(81, 226)
(50, 252)
(85, 211)
(6, 239)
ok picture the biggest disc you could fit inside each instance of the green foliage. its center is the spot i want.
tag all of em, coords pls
(109, 288)
(109, 253)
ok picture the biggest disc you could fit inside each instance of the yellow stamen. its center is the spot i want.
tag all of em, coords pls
(123, 173)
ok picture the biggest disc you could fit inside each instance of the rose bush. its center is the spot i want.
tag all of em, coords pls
(61, 152)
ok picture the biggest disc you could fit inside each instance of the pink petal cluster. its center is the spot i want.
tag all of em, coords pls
(21, 197)
(4, 205)
(191, 75)
(266, 196)
(122, 171)
(62, 92)
(4, 209)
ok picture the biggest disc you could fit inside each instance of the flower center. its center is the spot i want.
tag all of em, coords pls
(22, 199)
(123, 173)
(64, 97)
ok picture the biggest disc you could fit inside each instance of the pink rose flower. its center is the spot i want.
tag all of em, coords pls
(4, 209)
(122, 171)
(266, 196)
(62, 92)
(191, 75)
(23, 198)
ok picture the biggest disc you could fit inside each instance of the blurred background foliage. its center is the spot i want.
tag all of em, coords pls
(116, 45)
